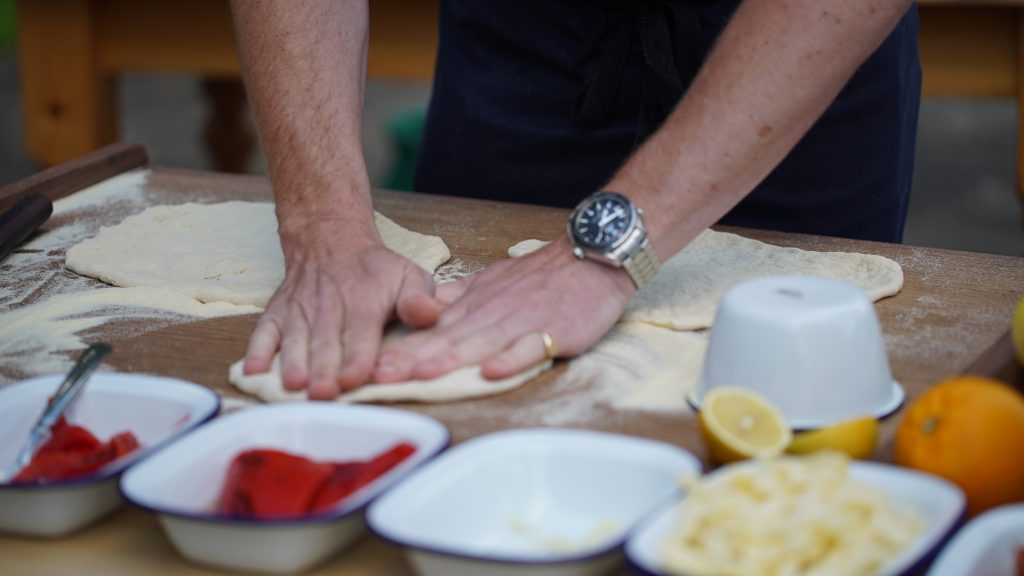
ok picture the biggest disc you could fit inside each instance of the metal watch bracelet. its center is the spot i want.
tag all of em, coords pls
(642, 265)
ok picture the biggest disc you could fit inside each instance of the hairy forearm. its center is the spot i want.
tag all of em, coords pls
(774, 70)
(304, 65)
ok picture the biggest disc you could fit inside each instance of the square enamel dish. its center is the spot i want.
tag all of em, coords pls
(182, 484)
(987, 546)
(529, 502)
(157, 410)
(812, 346)
(938, 503)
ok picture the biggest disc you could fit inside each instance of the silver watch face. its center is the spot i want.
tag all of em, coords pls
(602, 221)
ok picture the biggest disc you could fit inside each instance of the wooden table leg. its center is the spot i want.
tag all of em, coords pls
(227, 136)
(68, 104)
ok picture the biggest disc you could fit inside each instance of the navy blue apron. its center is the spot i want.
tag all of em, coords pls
(540, 101)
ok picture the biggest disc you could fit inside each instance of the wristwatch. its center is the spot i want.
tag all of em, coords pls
(608, 228)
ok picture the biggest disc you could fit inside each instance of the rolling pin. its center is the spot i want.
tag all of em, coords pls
(21, 220)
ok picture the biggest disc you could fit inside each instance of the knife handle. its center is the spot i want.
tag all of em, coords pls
(21, 220)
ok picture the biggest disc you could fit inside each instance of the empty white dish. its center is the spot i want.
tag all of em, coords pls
(810, 345)
(534, 501)
(155, 409)
(988, 546)
(182, 483)
(938, 503)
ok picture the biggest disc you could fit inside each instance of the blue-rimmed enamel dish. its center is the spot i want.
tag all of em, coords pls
(938, 503)
(155, 409)
(989, 545)
(182, 484)
(535, 501)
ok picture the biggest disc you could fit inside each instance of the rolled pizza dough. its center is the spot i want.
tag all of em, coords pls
(225, 252)
(685, 293)
(461, 384)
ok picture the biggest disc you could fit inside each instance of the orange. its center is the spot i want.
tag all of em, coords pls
(969, 430)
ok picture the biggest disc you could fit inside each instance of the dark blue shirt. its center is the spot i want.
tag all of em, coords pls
(511, 117)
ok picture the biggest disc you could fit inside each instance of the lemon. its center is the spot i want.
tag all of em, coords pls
(854, 437)
(737, 424)
(1017, 331)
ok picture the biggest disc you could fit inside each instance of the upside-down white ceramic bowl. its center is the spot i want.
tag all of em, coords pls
(938, 503)
(811, 345)
(550, 502)
(182, 483)
(157, 410)
(988, 546)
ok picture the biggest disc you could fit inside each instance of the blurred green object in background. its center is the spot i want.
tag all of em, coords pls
(406, 131)
(6, 23)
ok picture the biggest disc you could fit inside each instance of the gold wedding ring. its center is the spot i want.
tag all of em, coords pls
(550, 347)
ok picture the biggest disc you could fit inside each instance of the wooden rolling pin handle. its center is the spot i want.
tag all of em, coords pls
(21, 220)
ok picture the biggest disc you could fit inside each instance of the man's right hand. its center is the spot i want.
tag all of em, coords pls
(304, 65)
(328, 316)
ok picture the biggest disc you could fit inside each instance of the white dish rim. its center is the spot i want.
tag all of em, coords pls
(122, 464)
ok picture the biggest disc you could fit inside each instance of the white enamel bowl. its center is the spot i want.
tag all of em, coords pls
(811, 345)
(182, 483)
(937, 502)
(549, 502)
(157, 410)
(987, 546)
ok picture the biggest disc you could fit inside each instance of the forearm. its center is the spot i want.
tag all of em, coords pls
(774, 70)
(304, 65)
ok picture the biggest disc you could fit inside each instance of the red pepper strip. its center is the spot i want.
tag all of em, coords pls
(349, 477)
(73, 451)
(340, 484)
(123, 443)
(384, 462)
(271, 483)
(265, 483)
(67, 438)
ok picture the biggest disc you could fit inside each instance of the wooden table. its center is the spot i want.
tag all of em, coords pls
(953, 306)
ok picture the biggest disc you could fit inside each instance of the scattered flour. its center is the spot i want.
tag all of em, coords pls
(455, 269)
(42, 331)
(123, 187)
(641, 367)
(44, 308)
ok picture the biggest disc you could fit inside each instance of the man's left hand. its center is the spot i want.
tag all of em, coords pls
(497, 317)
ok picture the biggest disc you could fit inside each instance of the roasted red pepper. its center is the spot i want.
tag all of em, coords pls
(266, 483)
(73, 451)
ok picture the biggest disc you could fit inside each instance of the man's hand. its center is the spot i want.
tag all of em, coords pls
(328, 315)
(496, 317)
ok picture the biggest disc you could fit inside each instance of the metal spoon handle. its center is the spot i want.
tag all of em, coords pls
(73, 383)
(67, 392)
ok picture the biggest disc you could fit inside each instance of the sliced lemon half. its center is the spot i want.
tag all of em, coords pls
(855, 437)
(737, 424)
